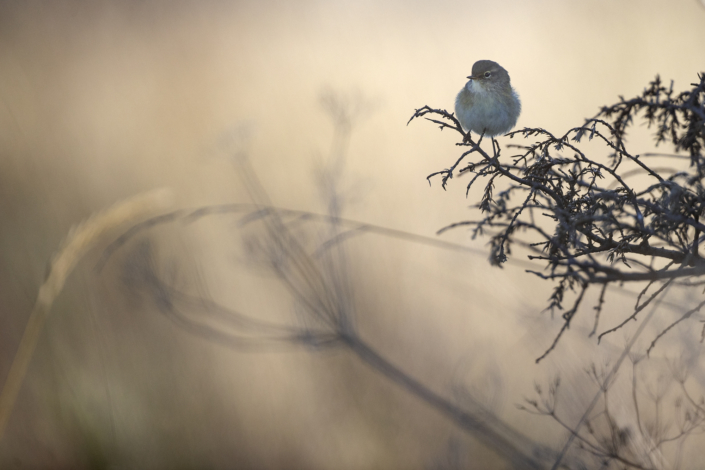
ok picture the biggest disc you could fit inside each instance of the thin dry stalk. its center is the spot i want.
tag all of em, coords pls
(78, 242)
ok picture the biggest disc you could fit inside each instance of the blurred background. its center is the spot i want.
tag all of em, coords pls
(103, 100)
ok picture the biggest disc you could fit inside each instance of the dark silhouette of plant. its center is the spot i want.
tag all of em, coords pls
(584, 215)
(577, 214)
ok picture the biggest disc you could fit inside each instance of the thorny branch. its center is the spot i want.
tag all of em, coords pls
(579, 213)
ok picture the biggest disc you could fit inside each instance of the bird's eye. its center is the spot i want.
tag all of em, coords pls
(488, 74)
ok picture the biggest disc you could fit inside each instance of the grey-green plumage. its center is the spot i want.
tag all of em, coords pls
(488, 103)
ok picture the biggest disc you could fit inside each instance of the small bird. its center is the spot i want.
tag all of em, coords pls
(488, 104)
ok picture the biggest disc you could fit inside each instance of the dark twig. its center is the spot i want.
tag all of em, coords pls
(593, 217)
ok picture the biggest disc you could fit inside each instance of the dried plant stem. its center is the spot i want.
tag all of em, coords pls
(79, 241)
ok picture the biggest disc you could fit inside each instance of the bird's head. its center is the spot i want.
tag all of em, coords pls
(489, 75)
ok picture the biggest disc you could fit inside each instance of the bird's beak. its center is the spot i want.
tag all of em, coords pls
(472, 78)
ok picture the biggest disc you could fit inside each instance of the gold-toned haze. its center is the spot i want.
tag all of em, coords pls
(104, 100)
